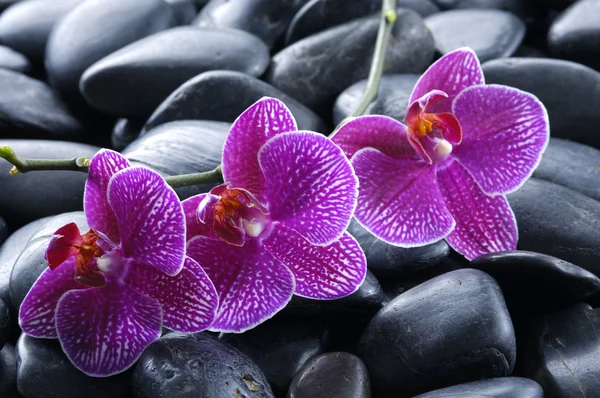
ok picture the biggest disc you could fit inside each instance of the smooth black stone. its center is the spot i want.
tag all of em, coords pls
(518, 7)
(25, 26)
(575, 34)
(133, 81)
(570, 92)
(502, 387)
(386, 260)
(3, 231)
(184, 11)
(490, 33)
(43, 370)
(525, 51)
(558, 221)
(8, 372)
(197, 365)
(392, 100)
(572, 165)
(10, 251)
(31, 109)
(5, 323)
(30, 263)
(125, 132)
(267, 19)
(93, 30)
(367, 300)
(451, 329)
(12, 60)
(534, 282)
(316, 69)
(223, 96)
(318, 15)
(281, 346)
(181, 147)
(27, 197)
(332, 375)
(395, 286)
(561, 353)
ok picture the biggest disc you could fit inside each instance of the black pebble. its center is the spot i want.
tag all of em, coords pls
(197, 365)
(281, 346)
(224, 95)
(558, 221)
(451, 329)
(332, 375)
(133, 81)
(43, 371)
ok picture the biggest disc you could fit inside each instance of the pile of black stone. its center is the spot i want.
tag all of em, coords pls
(171, 75)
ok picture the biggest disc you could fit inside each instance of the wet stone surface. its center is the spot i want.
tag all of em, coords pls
(181, 365)
(468, 328)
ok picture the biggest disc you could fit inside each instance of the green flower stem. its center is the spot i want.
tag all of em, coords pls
(186, 180)
(24, 165)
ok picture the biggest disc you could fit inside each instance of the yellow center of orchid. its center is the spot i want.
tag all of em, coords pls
(421, 126)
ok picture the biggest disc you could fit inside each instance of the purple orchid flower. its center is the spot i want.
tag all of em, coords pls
(467, 144)
(107, 293)
(277, 226)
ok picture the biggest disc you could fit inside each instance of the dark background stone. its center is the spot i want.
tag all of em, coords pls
(133, 81)
(267, 19)
(560, 354)
(535, 283)
(281, 346)
(451, 329)
(25, 26)
(8, 372)
(223, 96)
(501, 387)
(197, 365)
(43, 370)
(332, 375)
(490, 33)
(558, 221)
(575, 34)
(31, 109)
(94, 29)
(572, 165)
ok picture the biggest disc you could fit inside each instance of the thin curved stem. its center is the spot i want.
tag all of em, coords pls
(25, 165)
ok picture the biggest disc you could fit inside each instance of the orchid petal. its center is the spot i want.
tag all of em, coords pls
(95, 202)
(189, 300)
(310, 185)
(321, 272)
(451, 74)
(484, 224)
(193, 225)
(150, 218)
(374, 131)
(61, 244)
(252, 284)
(104, 331)
(399, 200)
(37, 312)
(505, 133)
(260, 122)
